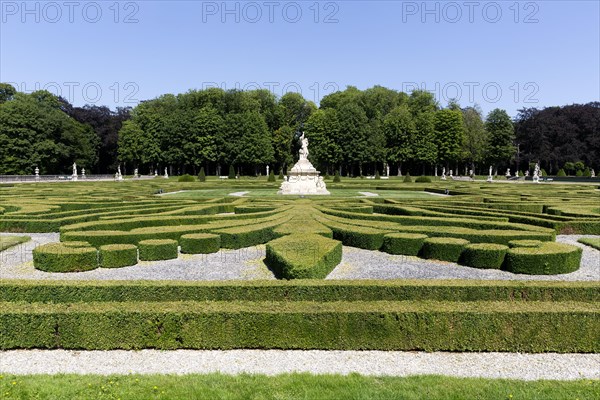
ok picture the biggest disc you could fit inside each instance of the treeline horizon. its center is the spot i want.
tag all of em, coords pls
(353, 132)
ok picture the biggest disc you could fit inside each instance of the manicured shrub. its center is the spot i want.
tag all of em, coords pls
(202, 175)
(231, 174)
(561, 172)
(55, 257)
(587, 172)
(408, 244)
(516, 326)
(525, 243)
(10, 241)
(483, 255)
(358, 236)
(118, 255)
(377, 175)
(186, 178)
(443, 248)
(271, 177)
(407, 178)
(200, 243)
(549, 259)
(423, 179)
(579, 173)
(158, 249)
(592, 242)
(336, 177)
(303, 256)
(76, 243)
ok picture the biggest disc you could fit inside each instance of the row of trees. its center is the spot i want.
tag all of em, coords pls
(355, 132)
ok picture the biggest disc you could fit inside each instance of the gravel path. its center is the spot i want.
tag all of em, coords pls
(273, 362)
(247, 264)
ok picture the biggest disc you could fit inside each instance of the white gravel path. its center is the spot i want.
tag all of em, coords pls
(273, 362)
(368, 194)
(247, 264)
(238, 194)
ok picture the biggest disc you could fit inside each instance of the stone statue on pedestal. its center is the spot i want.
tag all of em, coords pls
(303, 178)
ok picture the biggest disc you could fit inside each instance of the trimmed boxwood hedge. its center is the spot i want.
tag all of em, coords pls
(525, 243)
(483, 255)
(76, 244)
(118, 255)
(55, 257)
(158, 249)
(49, 291)
(444, 249)
(548, 259)
(408, 244)
(398, 325)
(200, 243)
(303, 256)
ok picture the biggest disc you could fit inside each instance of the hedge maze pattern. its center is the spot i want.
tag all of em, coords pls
(512, 227)
(113, 225)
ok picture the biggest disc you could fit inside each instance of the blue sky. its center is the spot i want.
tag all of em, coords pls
(503, 54)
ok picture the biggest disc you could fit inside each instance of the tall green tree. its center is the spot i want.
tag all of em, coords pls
(449, 133)
(400, 131)
(501, 132)
(322, 129)
(475, 139)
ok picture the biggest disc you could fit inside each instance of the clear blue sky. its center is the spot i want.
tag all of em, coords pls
(538, 54)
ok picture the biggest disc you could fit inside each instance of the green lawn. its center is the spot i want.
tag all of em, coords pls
(10, 241)
(593, 242)
(397, 194)
(292, 386)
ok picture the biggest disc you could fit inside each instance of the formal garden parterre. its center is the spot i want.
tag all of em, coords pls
(510, 227)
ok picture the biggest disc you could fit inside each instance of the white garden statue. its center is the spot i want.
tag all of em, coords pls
(74, 176)
(537, 173)
(508, 173)
(166, 175)
(491, 176)
(443, 173)
(303, 178)
(592, 173)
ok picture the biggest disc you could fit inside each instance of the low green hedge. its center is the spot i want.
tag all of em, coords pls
(298, 290)
(525, 243)
(548, 259)
(444, 249)
(592, 242)
(303, 256)
(483, 255)
(200, 243)
(408, 244)
(401, 325)
(118, 255)
(158, 249)
(76, 244)
(7, 242)
(55, 257)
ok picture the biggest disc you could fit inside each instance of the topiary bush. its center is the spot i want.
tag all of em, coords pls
(407, 178)
(548, 259)
(271, 177)
(444, 249)
(200, 243)
(202, 175)
(186, 178)
(76, 243)
(408, 244)
(579, 173)
(524, 243)
(56, 257)
(377, 175)
(158, 249)
(423, 179)
(118, 255)
(303, 256)
(483, 255)
(336, 177)
(561, 172)
(231, 174)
